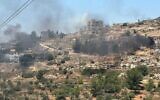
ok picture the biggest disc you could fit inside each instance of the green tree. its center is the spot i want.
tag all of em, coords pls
(150, 86)
(40, 74)
(80, 80)
(90, 71)
(134, 77)
(49, 56)
(112, 82)
(28, 74)
(60, 94)
(97, 85)
(18, 86)
(143, 69)
(76, 91)
(45, 97)
(109, 83)
(30, 89)
(158, 84)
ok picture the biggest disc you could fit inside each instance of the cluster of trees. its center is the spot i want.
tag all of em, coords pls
(26, 41)
(51, 34)
(72, 91)
(26, 74)
(151, 87)
(126, 43)
(44, 56)
(106, 84)
(90, 71)
(9, 89)
(27, 60)
(111, 83)
(135, 76)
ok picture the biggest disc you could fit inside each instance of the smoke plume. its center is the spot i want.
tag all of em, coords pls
(55, 15)
(22, 40)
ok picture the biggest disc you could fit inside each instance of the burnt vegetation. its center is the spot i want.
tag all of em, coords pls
(127, 43)
(26, 60)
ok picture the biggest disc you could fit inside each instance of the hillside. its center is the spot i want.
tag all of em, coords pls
(52, 70)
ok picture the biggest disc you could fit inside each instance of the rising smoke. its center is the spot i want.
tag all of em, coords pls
(22, 40)
(49, 14)
(55, 15)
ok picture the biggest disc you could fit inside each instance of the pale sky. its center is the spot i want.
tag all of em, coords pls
(66, 14)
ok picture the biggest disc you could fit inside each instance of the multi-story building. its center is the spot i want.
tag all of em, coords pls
(94, 27)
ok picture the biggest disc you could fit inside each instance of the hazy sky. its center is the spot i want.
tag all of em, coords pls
(66, 14)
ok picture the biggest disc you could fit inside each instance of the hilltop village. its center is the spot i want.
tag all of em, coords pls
(98, 62)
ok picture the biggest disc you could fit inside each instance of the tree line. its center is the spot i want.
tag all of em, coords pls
(100, 46)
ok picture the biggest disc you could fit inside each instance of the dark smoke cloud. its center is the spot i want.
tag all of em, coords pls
(46, 23)
(10, 32)
(55, 15)
(43, 14)
(22, 40)
(51, 14)
(11, 29)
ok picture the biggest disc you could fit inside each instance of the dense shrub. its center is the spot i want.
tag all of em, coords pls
(49, 57)
(143, 69)
(28, 74)
(45, 56)
(40, 74)
(90, 71)
(26, 60)
(108, 83)
(135, 76)
(150, 86)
